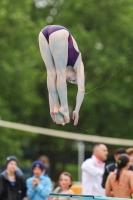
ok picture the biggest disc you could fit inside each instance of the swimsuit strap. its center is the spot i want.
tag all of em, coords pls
(131, 189)
(117, 183)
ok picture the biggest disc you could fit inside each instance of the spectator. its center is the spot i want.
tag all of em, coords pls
(111, 167)
(65, 182)
(18, 171)
(12, 186)
(38, 186)
(92, 171)
(130, 153)
(120, 182)
(46, 163)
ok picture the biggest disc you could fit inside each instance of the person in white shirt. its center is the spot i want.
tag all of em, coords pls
(92, 171)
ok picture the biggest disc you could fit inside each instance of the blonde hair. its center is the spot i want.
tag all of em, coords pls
(67, 174)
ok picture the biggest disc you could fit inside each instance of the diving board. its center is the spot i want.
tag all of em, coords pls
(87, 197)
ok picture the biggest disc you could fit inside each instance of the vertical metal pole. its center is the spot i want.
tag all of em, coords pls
(81, 151)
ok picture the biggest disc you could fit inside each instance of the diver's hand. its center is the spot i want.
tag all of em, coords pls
(75, 117)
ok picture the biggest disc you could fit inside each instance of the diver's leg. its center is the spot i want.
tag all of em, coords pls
(51, 73)
(58, 42)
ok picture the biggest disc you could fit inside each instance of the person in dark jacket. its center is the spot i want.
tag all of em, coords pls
(12, 186)
(113, 166)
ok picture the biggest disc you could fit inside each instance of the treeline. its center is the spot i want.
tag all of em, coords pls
(104, 33)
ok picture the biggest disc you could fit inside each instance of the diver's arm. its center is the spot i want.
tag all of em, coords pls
(81, 91)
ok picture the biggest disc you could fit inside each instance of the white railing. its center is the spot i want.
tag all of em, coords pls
(67, 135)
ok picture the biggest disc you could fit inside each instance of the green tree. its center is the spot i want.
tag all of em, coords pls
(104, 34)
(103, 31)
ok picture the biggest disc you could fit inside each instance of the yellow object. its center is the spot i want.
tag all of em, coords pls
(77, 189)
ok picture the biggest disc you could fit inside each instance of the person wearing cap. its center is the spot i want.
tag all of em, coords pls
(130, 154)
(18, 170)
(12, 186)
(38, 186)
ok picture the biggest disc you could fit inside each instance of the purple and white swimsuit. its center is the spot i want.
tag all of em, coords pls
(72, 53)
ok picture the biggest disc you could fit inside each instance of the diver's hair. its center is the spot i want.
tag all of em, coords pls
(121, 163)
(69, 175)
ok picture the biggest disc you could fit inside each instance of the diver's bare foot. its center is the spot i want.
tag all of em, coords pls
(65, 113)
